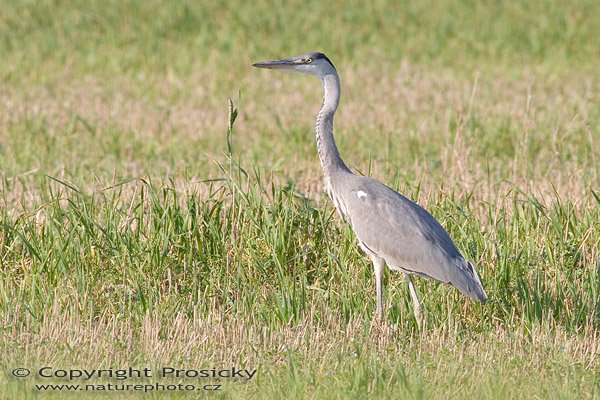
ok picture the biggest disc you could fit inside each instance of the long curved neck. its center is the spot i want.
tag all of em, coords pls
(328, 151)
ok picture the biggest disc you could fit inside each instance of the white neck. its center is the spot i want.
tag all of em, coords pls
(328, 151)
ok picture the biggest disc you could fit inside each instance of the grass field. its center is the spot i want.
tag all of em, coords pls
(132, 235)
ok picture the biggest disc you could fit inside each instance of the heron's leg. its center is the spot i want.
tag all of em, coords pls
(379, 265)
(416, 302)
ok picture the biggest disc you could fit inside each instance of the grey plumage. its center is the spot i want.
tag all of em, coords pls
(390, 228)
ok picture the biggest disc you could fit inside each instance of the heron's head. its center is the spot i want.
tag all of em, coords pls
(311, 63)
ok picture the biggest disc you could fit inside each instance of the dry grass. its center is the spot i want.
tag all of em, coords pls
(227, 338)
(436, 117)
(323, 345)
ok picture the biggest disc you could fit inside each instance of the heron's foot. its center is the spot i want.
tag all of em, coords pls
(377, 318)
(379, 325)
(422, 318)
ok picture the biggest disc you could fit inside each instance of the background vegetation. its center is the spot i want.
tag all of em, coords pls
(131, 236)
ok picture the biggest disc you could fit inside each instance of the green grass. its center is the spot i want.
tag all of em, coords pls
(139, 228)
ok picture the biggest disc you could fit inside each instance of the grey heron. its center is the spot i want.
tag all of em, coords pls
(391, 229)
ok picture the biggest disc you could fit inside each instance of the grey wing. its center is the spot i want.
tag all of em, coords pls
(406, 236)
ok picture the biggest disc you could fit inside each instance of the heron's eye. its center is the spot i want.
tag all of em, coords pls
(308, 60)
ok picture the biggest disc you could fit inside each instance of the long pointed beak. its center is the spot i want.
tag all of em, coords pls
(278, 64)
